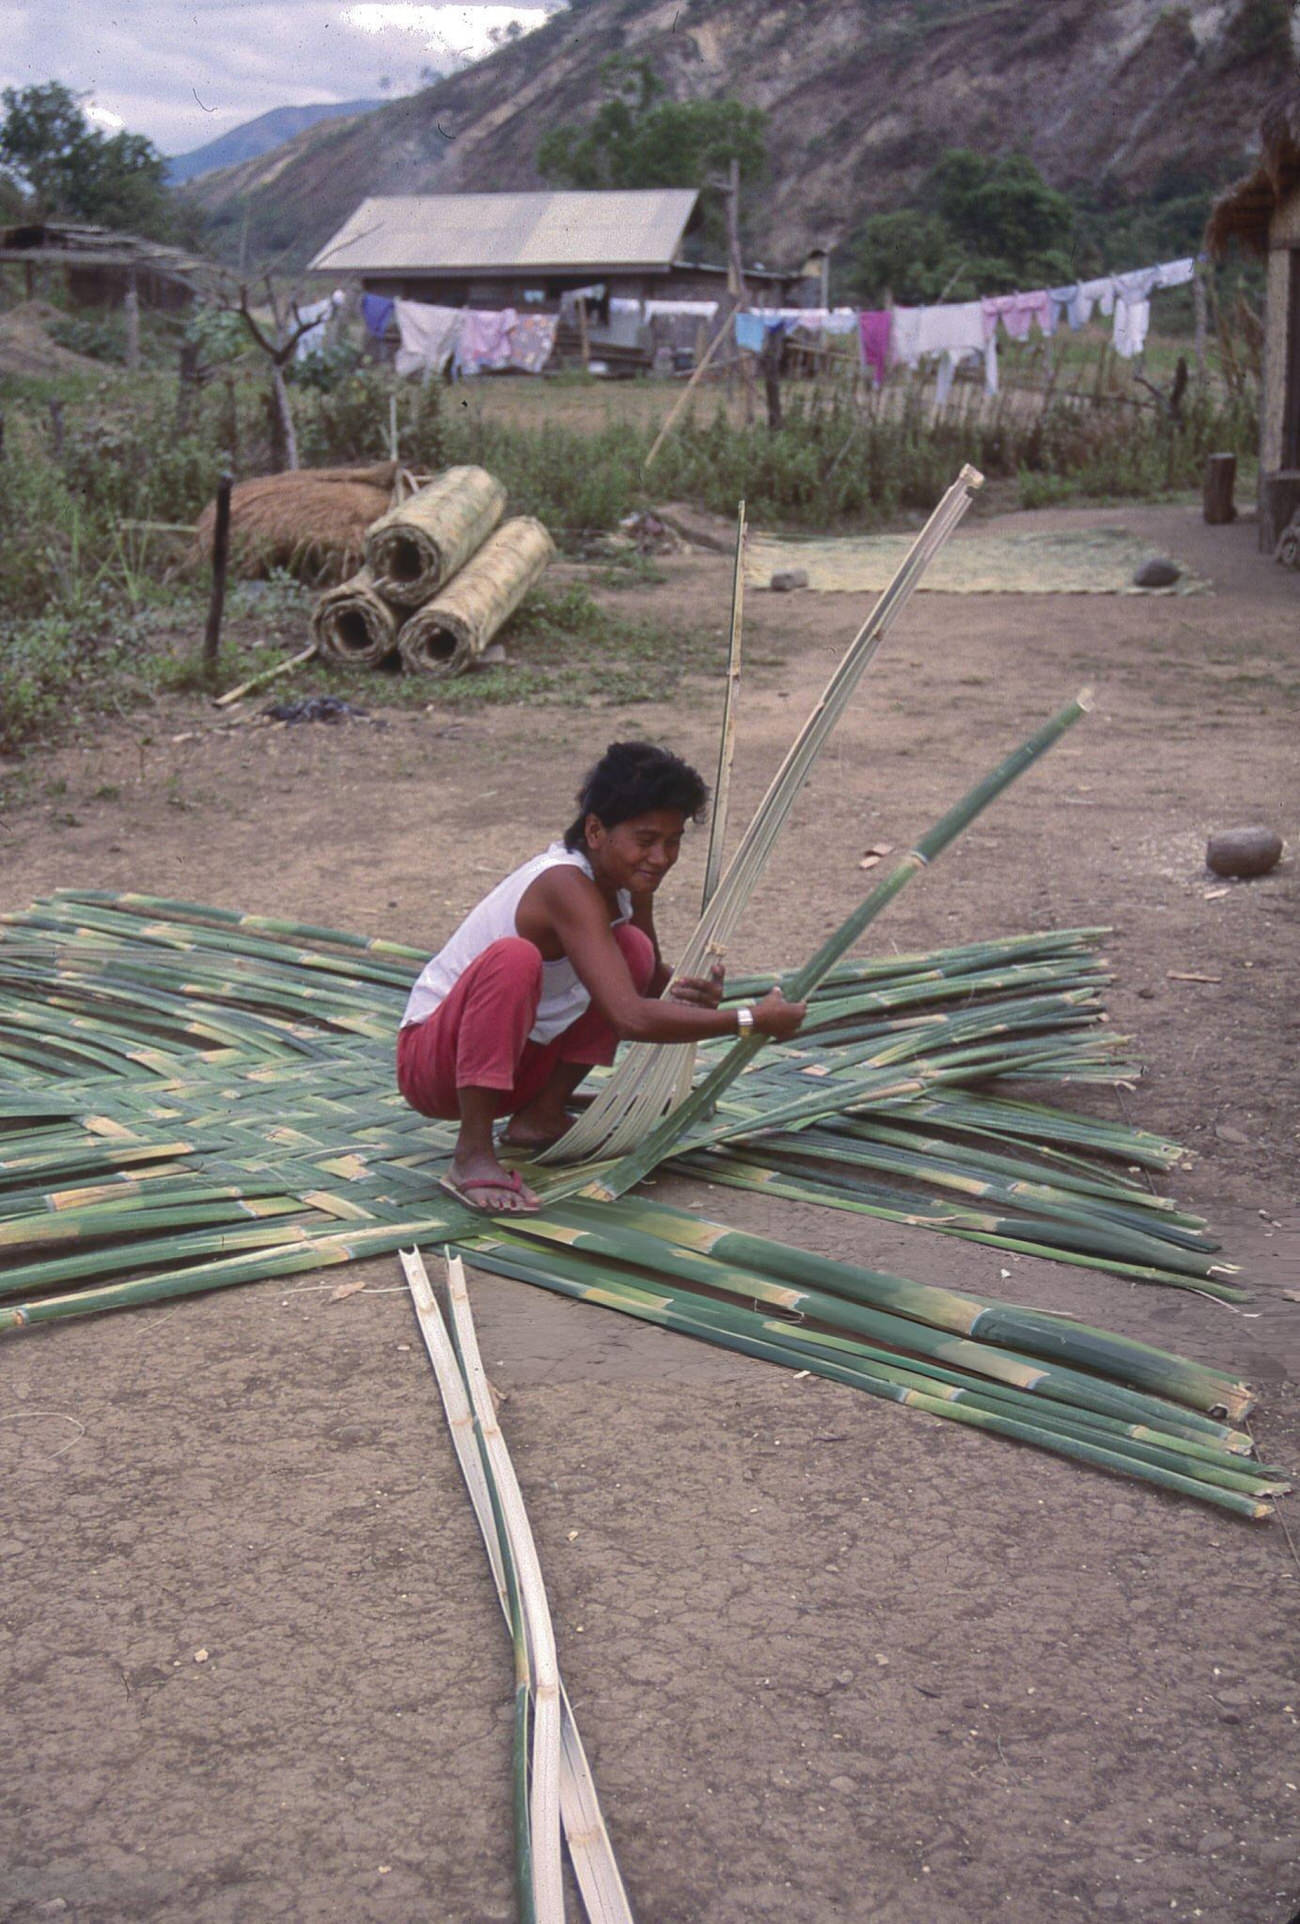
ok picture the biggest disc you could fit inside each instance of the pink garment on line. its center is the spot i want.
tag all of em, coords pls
(874, 330)
(1018, 313)
(478, 1036)
(485, 336)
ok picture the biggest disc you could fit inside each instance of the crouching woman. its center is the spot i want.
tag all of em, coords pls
(555, 967)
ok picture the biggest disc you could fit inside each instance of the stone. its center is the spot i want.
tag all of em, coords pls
(1243, 851)
(787, 578)
(1157, 572)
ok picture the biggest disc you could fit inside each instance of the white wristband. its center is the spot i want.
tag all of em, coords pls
(744, 1020)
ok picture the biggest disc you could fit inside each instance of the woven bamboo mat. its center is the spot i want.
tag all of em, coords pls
(1073, 561)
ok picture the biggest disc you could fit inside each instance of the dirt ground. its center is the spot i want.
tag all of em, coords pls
(833, 1661)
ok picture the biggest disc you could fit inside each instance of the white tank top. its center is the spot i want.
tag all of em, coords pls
(564, 998)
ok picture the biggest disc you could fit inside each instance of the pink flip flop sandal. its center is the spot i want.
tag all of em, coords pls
(511, 1181)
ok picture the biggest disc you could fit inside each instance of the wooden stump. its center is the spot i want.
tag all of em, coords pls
(1220, 480)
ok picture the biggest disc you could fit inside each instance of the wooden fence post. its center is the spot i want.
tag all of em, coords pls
(220, 557)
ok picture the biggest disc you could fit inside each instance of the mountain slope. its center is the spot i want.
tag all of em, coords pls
(861, 97)
(254, 138)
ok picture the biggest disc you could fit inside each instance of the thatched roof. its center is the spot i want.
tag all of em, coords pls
(74, 244)
(1243, 213)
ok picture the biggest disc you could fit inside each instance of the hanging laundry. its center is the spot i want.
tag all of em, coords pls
(484, 342)
(316, 314)
(874, 330)
(1062, 299)
(954, 330)
(376, 312)
(1099, 293)
(1176, 273)
(1132, 319)
(532, 341)
(695, 310)
(618, 305)
(1018, 313)
(750, 332)
(427, 335)
(1136, 285)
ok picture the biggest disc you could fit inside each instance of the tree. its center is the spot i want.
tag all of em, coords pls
(64, 166)
(977, 225)
(639, 138)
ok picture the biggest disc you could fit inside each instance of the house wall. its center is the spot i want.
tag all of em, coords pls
(1281, 333)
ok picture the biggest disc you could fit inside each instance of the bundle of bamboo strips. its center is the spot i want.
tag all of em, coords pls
(353, 626)
(440, 580)
(552, 1778)
(416, 547)
(450, 631)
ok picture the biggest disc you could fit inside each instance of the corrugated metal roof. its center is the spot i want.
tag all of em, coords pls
(470, 233)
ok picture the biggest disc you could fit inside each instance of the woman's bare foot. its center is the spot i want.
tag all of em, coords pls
(481, 1182)
(535, 1128)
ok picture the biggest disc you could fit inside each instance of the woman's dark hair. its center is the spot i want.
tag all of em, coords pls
(632, 778)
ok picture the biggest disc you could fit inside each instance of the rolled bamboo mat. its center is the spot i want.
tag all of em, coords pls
(413, 549)
(353, 626)
(453, 629)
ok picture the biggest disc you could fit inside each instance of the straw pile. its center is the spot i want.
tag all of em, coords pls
(440, 579)
(311, 522)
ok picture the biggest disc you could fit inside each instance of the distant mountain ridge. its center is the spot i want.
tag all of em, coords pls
(254, 138)
(861, 97)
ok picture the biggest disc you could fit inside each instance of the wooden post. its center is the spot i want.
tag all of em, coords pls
(187, 385)
(220, 557)
(584, 336)
(131, 312)
(770, 363)
(1220, 479)
(1198, 307)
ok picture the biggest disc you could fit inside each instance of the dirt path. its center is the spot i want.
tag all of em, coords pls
(833, 1662)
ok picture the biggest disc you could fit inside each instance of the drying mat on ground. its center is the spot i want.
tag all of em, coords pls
(1072, 561)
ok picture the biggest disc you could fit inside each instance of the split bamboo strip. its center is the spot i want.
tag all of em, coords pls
(543, 1669)
(444, 636)
(644, 1084)
(727, 736)
(735, 1327)
(353, 626)
(416, 547)
(590, 1849)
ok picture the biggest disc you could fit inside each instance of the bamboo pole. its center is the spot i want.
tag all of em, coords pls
(727, 737)
(267, 674)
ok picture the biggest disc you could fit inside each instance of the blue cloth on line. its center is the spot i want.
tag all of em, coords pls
(750, 333)
(376, 312)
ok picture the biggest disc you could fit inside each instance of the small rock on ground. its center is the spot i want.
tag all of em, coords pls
(1243, 851)
(1158, 572)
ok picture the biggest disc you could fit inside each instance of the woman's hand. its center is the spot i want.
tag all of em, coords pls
(704, 992)
(777, 1018)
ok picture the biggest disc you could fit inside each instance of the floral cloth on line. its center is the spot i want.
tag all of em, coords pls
(532, 341)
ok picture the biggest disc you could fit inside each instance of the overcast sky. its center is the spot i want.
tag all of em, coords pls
(184, 71)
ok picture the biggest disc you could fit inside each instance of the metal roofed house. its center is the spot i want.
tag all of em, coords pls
(497, 250)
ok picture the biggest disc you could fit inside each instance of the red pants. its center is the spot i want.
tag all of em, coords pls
(478, 1037)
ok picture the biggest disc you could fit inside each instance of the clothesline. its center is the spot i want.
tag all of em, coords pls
(479, 340)
(955, 331)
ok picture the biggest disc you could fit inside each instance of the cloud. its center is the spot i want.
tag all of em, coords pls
(184, 73)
